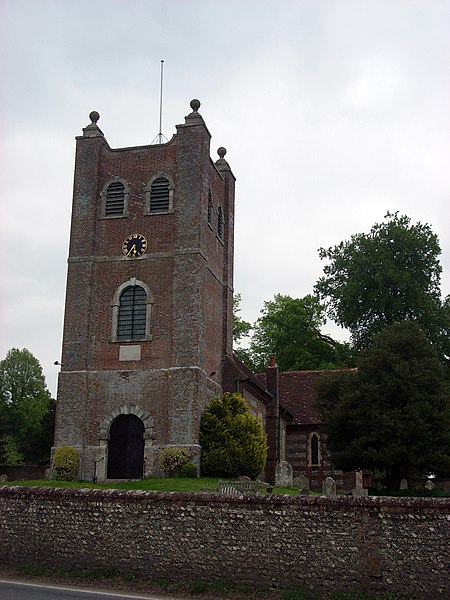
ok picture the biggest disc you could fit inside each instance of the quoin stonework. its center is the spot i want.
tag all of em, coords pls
(148, 318)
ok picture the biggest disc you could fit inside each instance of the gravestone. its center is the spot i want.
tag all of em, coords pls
(283, 474)
(3, 478)
(329, 487)
(429, 485)
(404, 484)
(359, 490)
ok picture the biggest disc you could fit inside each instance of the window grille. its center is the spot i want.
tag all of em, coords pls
(219, 223)
(115, 199)
(132, 313)
(159, 195)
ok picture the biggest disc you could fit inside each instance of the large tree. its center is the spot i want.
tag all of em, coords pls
(393, 412)
(290, 329)
(388, 275)
(241, 329)
(27, 407)
(232, 440)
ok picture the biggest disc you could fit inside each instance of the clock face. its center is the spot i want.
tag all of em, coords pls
(135, 245)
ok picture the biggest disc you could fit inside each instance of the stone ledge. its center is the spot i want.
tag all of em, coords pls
(374, 503)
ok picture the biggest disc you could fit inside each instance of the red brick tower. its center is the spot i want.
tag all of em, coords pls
(148, 317)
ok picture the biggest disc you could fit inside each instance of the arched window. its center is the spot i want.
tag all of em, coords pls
(314, 450)
(159, 195)
(114, 199)
(132, 307)
(210, 208)
(219, 223)
(132, 313)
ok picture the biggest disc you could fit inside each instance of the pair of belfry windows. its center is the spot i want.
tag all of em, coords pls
(219, 222)
(159, 194)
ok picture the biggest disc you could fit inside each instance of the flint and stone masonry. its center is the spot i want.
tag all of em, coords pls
(363, 544)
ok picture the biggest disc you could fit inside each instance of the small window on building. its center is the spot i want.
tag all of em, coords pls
(132, 318)
(160, 195)
(210, 208)
(219, 223)
(314, 449)
(115, 199)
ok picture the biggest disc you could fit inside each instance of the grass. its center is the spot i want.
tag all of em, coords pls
(162, 484)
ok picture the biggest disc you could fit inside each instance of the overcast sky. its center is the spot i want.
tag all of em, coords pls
(332, 112)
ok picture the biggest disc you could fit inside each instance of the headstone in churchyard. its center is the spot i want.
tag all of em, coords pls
(3, 478)
(244, 478)
(303, 482)
(329, 487)
(429, 485)
(359, 490)
(404, 484)
(283, 474)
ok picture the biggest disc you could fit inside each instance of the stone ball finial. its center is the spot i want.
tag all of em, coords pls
(195, 104)
(94, 117)
(221, 151)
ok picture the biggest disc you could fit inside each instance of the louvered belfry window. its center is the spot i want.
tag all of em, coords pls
(159, 195)
(219, 223)
(210, 208)
(132, 313)
(115, 199)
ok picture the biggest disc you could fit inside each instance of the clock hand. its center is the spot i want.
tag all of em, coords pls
(131, 249)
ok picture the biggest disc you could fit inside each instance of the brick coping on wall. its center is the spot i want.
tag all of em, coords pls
(376, 503)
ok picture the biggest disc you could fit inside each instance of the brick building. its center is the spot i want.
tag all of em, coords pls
(148, 319)
(148, 316)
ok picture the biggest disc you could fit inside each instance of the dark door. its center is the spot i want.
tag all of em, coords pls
(126, 448)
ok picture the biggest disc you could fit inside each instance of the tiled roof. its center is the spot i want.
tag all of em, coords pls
(298, 394)
(234, 370)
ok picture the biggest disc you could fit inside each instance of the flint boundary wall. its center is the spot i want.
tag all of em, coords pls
(377, 545)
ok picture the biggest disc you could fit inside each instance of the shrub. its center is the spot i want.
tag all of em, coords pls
(232, 440)
(188, 470)
(65, 464)
(171, 460)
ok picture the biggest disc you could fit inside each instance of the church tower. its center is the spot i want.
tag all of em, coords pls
(148, 315)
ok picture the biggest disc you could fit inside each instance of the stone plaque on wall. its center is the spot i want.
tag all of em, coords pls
(130, 352)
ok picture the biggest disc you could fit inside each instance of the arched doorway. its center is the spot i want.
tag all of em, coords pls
(126, 448)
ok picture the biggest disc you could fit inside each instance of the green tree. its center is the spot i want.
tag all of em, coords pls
(232, 440)
(241, 329)
(388, 275)
(393, 412)
(27, 406)
(290, 329)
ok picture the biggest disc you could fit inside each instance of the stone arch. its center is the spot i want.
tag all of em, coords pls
(119, 411)
(126, 409)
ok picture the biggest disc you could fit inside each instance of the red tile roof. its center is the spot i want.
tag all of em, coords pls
(297, 391)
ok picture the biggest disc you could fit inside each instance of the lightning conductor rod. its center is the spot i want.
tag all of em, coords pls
(160, 138)
(160, 134)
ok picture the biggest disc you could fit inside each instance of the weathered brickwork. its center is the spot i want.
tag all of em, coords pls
(377, 545)
(172, 373)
